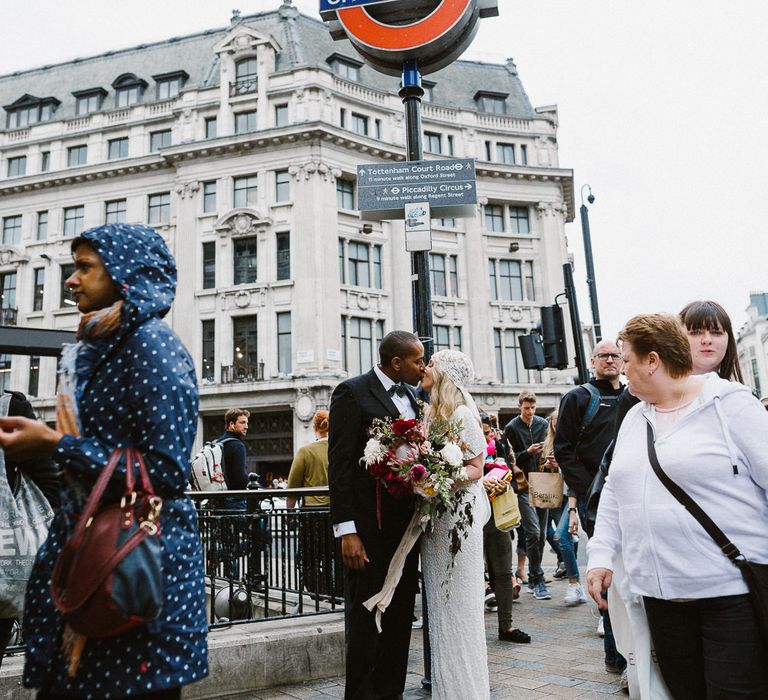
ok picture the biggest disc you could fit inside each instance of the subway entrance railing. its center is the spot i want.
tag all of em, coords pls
(263, 562)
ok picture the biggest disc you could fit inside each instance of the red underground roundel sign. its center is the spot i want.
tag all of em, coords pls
(387, 33)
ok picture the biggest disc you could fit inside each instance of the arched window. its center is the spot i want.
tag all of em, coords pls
(129, 90)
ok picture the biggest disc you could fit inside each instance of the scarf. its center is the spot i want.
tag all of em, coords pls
(95, 325)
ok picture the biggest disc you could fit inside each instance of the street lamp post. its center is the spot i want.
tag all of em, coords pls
(590, 263)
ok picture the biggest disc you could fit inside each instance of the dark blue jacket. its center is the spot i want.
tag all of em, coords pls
(142, 393)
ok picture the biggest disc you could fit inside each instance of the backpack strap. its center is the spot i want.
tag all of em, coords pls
(592, 407)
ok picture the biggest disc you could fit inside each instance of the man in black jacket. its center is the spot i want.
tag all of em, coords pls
(370, 529)
(584, 431)
(579, 447)
(526, 434)
(233, 454)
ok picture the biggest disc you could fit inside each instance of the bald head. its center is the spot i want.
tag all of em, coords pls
(606, 361)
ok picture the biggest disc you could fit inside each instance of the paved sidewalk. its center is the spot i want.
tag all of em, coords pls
(564, 659)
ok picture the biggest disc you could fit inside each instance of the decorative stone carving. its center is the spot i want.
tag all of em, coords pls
(10, 255)
(544, 209)
(187, 189)
(363, 301)
(312, 167)
(516, 313)
(305, 405)
(438, 309)
(242, 299)
(240, 222)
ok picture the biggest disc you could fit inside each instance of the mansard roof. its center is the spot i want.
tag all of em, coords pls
(303, 42)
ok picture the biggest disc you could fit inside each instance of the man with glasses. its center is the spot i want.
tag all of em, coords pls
(584, 430)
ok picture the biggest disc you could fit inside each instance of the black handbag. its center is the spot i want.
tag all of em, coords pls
(755, 575)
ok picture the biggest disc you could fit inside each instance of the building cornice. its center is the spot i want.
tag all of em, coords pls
(72, 176)
(314, 133)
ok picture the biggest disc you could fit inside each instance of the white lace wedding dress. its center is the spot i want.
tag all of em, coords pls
(456, 625)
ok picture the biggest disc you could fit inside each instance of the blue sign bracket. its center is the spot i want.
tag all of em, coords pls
(328, 8)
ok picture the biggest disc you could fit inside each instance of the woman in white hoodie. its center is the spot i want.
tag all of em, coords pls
(711, 437)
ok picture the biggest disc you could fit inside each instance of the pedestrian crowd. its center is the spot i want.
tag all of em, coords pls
(664, 473)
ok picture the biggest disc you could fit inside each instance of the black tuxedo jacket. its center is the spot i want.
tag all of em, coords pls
(354, 405)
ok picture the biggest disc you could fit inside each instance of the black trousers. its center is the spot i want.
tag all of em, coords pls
(377, 663)
(709, 649)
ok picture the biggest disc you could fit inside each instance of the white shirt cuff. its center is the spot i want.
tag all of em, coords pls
(345, 528)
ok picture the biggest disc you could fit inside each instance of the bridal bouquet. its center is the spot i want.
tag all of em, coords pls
(412, 457)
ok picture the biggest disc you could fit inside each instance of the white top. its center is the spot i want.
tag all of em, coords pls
(665, 551)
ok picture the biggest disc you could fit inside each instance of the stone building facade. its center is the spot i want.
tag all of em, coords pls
(752, 343)
(240, 146)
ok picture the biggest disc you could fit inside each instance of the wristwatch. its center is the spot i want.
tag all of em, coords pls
(573, 510)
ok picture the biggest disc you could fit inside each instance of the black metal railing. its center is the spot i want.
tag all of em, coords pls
(266, 561)
(245, 86)
(231, 374)
(8, 316)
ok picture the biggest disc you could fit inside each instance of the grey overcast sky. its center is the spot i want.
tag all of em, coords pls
(663, 109)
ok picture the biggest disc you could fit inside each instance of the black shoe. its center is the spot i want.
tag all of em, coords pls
(514, 635)
(560, 571)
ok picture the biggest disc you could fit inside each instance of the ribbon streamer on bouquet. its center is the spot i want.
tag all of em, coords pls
(383, 598)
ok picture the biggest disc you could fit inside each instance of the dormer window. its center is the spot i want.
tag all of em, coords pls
(491, 102)
(428, 86)
(129, 90)
(29, 109)
(245, 77)
(88, 101)
(344, 67)
(169, 84)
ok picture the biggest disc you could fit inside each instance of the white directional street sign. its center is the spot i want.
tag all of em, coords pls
(448, 186)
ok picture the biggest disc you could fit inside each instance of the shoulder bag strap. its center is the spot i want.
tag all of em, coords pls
(728, 548)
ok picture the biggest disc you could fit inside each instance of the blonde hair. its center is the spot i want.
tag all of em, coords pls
(320, 423)
(549, 442)
(444, 397)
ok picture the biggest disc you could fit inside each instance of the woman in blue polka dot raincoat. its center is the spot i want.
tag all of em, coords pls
(128, 382)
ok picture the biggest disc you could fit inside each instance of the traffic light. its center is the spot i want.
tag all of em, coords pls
(553, 336)
(532, 349)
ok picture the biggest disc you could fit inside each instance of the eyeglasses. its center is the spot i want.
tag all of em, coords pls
(608, 355)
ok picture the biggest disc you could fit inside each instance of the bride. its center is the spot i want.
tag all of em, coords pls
(456, 625)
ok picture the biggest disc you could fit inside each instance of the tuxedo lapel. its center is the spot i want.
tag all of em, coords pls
(378, 391)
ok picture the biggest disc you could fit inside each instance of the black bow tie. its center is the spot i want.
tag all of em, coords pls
(398, 389)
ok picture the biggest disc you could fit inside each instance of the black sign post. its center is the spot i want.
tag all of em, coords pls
(411, 94)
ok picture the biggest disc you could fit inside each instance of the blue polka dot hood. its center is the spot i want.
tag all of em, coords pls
(137, 259)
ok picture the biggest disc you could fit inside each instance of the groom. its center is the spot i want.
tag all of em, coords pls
(376, 663)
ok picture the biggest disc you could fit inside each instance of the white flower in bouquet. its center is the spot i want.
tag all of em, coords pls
(452, 454)
(374, 452)
(462, 475)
